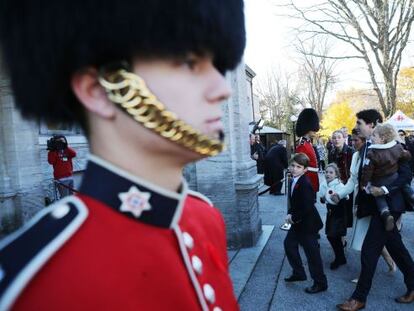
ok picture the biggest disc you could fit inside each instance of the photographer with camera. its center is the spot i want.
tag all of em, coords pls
(60, 156)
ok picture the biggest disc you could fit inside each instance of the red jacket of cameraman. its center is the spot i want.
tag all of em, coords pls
(62, 162)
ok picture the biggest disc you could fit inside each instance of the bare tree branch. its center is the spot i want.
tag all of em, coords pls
(317, 70)
(377, 30)
(278, 96)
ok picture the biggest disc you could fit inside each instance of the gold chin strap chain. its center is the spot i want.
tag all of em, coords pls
(130, 92)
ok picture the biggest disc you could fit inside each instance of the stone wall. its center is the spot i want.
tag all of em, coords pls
(230, 179)
(21, 177)
(25, 175)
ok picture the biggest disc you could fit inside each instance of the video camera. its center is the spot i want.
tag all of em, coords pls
(55, 143)
(258, 126)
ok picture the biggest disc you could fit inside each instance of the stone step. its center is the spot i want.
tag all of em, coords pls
(243, 261)
(262, 187)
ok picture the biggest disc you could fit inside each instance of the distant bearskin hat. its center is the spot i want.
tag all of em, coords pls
(43, 42)
(308, 120)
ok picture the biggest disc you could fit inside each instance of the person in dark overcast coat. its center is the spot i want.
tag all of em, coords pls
(275, 162)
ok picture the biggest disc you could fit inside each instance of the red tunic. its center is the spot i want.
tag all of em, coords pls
(171, 257)
(305, 146)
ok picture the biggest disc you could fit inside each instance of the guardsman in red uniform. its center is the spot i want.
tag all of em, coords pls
(306, 127)
(146, 88)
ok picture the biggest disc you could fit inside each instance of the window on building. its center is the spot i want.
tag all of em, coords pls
(59, 128)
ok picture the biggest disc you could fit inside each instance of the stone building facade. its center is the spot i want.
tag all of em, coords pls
(229, 179)
(26, 179)
(252, 98)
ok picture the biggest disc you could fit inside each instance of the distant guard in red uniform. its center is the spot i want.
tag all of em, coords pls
(306, 127)
(145, 80)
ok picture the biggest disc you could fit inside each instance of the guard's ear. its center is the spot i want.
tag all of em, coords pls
(91, 94)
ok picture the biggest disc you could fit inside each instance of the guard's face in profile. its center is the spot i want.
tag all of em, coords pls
(192, 88)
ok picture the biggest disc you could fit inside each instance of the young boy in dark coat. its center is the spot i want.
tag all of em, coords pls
(306, 223)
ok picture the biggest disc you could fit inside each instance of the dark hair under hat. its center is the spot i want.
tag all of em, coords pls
(308, 120)
(43, 42)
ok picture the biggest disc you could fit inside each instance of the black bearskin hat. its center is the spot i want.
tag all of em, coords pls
(308, 120)
(43, 42)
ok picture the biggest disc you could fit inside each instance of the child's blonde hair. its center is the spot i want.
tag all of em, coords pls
(386, 131)
(334, 167)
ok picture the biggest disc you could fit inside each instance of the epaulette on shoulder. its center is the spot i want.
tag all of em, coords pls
(200, 196)
(302, 140)
(23, 253)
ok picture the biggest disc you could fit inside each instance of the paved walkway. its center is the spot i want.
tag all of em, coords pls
(258, 272)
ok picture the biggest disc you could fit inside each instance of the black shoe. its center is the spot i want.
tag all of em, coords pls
(410, 199)
(295, 278)
(316, 288)
(337, 263)
(278, 193)
(388, 220)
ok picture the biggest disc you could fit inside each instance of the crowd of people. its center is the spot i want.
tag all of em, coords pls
(365, 186)
(363, 179)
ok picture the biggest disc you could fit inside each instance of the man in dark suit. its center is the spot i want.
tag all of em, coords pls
(377, 237)
(275, 162)
(306, 223)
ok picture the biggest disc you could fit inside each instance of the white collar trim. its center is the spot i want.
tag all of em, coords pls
(383, 146)
(115, 169)
(334, 182)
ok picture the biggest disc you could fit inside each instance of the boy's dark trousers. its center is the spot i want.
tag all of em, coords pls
(338, 248)
(309, 242)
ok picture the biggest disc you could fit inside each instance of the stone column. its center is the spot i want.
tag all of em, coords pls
(230, 179)
(21, 193)
(10, 217)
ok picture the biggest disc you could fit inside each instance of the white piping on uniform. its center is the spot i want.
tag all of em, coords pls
(180, 206)
(26, 274)
(200, 196)
(190, 270)
(312, 169)
(113, 168)
(11, 237)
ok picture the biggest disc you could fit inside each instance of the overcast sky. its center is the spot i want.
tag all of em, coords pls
(269, 38)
